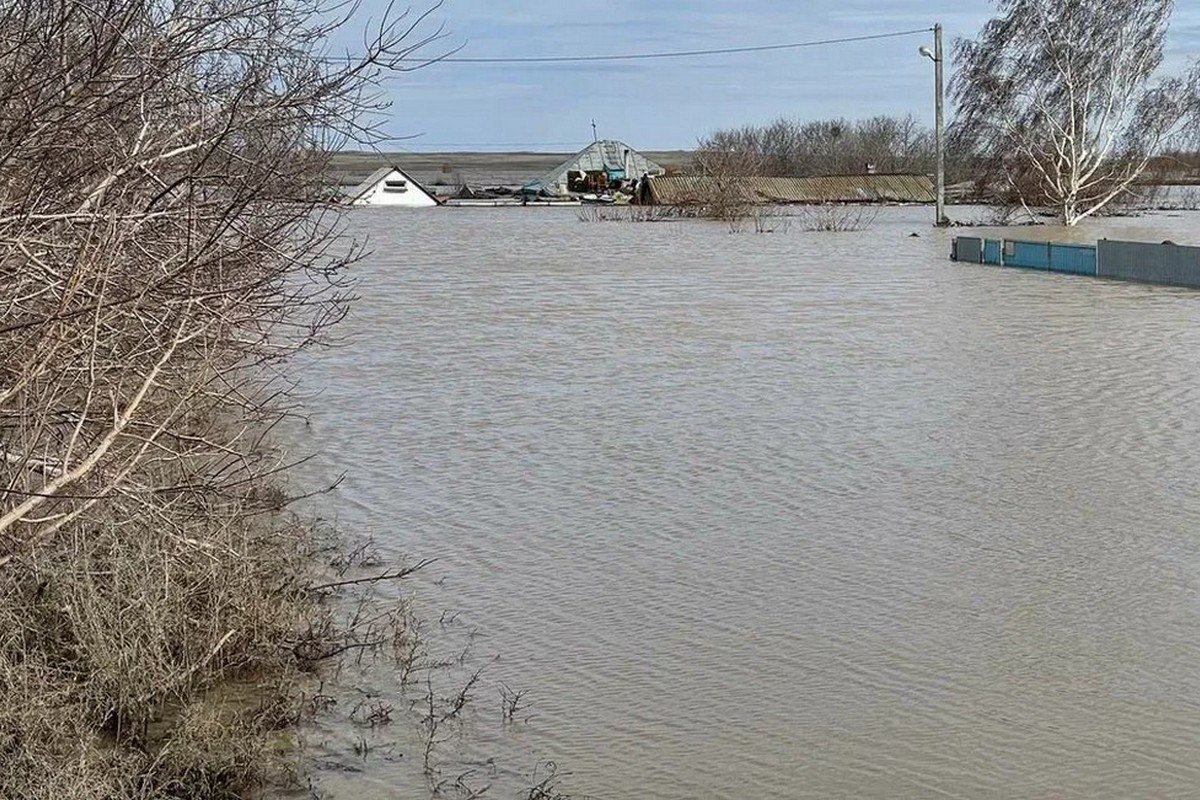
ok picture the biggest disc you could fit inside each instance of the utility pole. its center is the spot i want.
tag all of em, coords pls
(939, 89)
(939, 62)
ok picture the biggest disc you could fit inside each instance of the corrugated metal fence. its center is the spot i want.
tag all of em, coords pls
(1164, 263)
(967, 249)
(1070, 258)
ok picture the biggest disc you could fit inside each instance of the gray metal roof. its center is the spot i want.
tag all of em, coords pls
(683, 190)
(606, 154)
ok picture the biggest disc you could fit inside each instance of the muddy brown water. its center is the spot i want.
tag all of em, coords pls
(794, 515)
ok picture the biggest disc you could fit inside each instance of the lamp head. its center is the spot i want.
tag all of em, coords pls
(925, 51)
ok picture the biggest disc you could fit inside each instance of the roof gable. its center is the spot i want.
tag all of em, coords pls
(381, 174)
(605, 154)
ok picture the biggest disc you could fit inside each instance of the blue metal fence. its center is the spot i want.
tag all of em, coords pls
(1177, 266)
(1073, 258)
(993, 250)
(1029, 255)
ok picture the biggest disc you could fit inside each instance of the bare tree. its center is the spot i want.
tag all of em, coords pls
(167, 238)
(163, 222)
(723, 194)
(790, 148)
(1060, 99)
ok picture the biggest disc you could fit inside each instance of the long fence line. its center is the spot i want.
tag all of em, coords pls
(1164, 263)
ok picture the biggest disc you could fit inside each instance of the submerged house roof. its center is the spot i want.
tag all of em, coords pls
(390, 186)
(682, 190)
(607, 155)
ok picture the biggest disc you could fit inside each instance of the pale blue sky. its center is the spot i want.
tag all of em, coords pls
(669, 104)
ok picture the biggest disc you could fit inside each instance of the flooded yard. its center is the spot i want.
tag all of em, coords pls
(791, 515)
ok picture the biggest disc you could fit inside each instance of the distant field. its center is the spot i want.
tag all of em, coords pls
(474, 169)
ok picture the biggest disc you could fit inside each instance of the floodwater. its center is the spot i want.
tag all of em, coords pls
(791, 515)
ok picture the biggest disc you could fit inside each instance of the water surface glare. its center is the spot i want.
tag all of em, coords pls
(781, 516)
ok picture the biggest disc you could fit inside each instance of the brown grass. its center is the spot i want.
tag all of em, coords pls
(138, 663)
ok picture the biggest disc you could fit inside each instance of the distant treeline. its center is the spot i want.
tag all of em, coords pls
(794, 148)
(1175, 166)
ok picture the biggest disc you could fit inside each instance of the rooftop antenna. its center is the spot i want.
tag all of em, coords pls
(595, 138)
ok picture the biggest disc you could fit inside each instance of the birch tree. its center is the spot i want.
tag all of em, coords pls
(1065, 102)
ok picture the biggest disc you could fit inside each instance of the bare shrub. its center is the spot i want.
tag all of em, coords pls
(836, 218)
(723, 194)
(770, 220)
(546, 779)
(1001, 216)
(460, 787)
(513, 702)
(591, 213)
(167, 240)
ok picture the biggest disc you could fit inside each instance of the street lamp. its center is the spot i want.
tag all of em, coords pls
(939, 102)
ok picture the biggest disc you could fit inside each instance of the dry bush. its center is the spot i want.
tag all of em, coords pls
(723, 196)
(832, 217)
(167, 240)
(635, 213)
(770, 220)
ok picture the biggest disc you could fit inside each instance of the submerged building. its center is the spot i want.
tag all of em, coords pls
(390, 186)
(601, 166)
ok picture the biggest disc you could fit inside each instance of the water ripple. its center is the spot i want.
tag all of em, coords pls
(784, 516)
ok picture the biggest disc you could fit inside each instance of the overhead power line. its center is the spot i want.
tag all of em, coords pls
(417, 143)
(452, 59)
